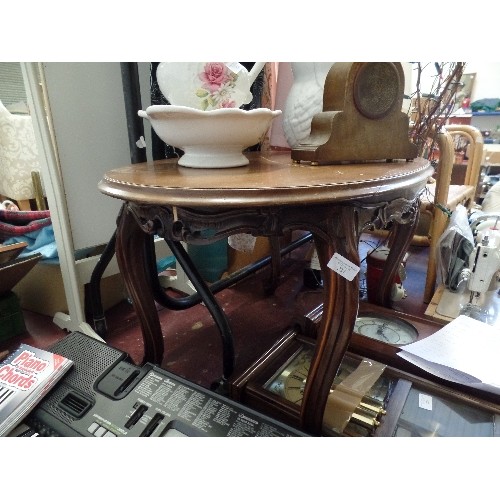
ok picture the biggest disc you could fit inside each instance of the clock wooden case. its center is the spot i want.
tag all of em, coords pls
(386, 352)
(361, 118)
(275, 382)
(385, 348)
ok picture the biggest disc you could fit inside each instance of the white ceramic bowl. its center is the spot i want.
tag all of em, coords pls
(210, 139)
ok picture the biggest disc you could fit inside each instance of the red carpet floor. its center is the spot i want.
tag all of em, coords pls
(192, 342)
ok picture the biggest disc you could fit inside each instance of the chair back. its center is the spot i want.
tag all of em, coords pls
(18, 155)
(475, 141)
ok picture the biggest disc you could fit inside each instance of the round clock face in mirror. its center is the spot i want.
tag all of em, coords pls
(386, 329)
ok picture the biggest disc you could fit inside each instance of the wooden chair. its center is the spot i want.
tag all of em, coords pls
(474, 146)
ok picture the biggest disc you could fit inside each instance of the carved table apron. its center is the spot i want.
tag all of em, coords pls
(270, 195)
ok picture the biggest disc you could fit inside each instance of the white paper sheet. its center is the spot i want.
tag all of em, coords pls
(466, 351)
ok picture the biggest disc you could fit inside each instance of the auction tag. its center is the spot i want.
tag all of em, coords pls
(342, 266)
(425, 401)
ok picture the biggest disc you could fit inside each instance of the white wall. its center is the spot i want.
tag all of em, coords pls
(487, 84)
(88, 111)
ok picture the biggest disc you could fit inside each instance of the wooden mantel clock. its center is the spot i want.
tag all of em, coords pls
(361, 119)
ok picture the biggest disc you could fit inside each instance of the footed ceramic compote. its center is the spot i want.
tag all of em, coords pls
(210, 139)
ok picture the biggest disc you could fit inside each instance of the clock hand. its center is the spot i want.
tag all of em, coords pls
(380, 331)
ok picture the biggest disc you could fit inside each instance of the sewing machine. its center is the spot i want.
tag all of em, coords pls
(476, 294)
(484, 263)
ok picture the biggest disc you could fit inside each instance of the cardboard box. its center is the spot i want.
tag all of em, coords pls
(42, 290)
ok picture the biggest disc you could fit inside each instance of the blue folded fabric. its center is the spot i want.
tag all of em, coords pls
(40, 241)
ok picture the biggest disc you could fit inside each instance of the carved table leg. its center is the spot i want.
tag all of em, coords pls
(131, 243)
(339, 315)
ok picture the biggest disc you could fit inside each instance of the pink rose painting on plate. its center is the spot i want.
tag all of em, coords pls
(217, 86)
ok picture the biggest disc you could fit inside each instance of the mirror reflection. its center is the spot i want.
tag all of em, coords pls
(20, 183)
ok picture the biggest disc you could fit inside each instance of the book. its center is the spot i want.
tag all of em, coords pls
(26, 376)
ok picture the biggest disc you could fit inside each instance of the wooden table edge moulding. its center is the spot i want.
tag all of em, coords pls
(270, 195)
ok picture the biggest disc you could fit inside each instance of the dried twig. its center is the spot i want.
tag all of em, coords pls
(430, 112)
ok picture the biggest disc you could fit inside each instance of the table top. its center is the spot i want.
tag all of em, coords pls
(271, 178)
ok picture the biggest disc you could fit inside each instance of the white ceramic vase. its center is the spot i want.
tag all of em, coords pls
(304, 100)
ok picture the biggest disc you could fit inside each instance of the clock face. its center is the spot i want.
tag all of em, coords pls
(389, 330)
(376, 89)
(291, 380)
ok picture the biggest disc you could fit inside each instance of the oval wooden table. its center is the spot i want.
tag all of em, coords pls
(270, 195)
